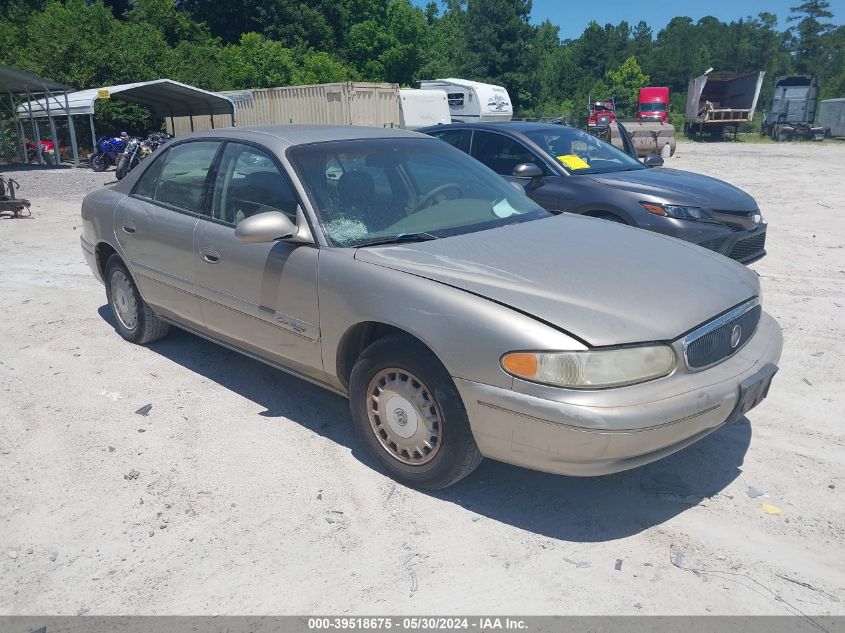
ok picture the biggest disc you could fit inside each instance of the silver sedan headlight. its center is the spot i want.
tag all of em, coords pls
(592, 369)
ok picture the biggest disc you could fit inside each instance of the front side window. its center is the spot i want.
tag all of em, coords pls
(182, 180)
(502, 153)
(249, 182)
(582, 153)
(377, 190)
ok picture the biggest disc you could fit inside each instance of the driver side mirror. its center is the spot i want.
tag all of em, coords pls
(527, 170)
(653, 160)
(265, 227)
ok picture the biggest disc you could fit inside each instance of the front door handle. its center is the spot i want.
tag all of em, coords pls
(209, 255)
(128, 228)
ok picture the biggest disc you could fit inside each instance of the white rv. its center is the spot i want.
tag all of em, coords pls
(420, 108)
(471, 100)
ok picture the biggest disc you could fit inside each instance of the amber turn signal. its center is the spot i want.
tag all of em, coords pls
(656, 209)
(520, 364)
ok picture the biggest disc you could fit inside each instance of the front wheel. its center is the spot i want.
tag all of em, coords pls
(125, 165)
(136, 321)
(409, 414)
(99, 162)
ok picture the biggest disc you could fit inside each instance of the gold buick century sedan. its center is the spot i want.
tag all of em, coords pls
(460, 319)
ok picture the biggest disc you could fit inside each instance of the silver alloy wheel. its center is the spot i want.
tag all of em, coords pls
(123, 302)
(404, 416)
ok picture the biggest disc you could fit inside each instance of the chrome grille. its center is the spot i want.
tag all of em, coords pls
(712, 342)
(748, 247)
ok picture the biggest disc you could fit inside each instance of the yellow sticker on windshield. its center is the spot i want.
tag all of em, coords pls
(573, 161)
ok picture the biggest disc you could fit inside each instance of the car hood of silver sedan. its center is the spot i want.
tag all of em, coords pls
(680, 187)
(605, 283)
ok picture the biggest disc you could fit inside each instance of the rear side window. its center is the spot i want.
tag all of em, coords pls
(146, 185)
(453, 137)
(180, 181)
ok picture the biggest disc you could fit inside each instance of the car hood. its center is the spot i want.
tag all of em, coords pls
(605, 283)
(680, 187)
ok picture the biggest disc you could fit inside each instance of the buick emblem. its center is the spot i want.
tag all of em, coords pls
(402, 418)
(736, 335)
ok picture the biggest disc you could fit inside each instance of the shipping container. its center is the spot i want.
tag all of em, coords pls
(348, 103)
(717, 100)
(832, 117)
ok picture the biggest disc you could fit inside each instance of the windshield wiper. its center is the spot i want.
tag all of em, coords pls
(401, 237)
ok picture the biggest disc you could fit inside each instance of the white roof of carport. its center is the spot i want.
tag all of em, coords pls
(164, 97)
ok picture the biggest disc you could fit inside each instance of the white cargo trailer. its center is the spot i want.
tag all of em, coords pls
(832, 117)
(473, 100)
(420, 108)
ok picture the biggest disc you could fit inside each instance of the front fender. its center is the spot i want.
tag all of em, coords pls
(468, 333)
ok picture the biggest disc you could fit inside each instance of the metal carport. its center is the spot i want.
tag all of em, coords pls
(15, 82)
(165, 97)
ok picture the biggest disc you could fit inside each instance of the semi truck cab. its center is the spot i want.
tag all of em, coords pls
(653, 105)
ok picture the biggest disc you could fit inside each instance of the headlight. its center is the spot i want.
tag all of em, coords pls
(592, 368)
(696, 214)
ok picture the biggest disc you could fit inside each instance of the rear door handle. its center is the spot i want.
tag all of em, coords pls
(128, 229)
(209, 255)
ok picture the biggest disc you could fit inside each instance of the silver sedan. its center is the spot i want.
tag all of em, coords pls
(459, 318)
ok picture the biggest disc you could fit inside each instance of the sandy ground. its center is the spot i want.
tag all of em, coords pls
(253, 497)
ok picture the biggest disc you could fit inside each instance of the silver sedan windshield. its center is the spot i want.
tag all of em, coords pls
(383, 190)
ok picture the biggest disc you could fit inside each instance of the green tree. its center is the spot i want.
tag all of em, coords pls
(498, 45)
(809, 35)
(624, 84)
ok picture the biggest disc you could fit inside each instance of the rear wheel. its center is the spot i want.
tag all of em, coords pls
(135, 320)
(99, 162)
(409, 414)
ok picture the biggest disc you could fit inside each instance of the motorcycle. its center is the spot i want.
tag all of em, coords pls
(47, 151)
(137, 150)
(107, 152)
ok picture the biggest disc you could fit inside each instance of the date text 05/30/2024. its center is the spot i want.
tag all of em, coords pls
(417, 623)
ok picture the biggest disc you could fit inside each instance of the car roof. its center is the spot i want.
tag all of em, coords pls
(522, 127)
(299, 134)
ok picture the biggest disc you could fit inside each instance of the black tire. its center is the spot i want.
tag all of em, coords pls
(99, 162)
(146, 327)
(457, 454)
(122, 168)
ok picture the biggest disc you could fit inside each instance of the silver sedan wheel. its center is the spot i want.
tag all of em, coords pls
(404, 416)
(123, 302)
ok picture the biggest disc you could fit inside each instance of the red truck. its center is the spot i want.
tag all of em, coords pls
(601, 113)
(653, 105)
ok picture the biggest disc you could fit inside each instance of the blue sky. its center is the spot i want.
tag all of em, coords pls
(572, 16)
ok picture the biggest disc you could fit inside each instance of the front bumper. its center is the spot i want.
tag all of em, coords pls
(587, 433)
(740, 244)
(743, 246)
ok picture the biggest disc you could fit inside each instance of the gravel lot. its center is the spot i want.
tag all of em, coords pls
(253, 497)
